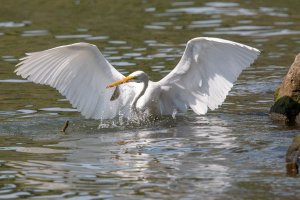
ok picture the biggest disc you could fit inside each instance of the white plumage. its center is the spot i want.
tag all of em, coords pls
(201, 80)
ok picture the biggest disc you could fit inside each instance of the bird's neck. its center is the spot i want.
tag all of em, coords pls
(141, 93)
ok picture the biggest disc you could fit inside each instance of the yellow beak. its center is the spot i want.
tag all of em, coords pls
(121, 81)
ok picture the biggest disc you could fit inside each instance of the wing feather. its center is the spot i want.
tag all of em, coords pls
(81, 73)
(204, 75)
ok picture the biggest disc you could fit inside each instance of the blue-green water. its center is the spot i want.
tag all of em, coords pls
(235, 152)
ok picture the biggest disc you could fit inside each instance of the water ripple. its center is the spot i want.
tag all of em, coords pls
(206, 10)
(14, 81)
(97, 38)
(73, 36)
(11, 24)
(206, 23)
(34, 33)
(57, 109)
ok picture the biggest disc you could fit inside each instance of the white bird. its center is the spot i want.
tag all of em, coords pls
(201, 80)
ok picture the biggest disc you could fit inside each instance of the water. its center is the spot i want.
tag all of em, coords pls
(235, 152)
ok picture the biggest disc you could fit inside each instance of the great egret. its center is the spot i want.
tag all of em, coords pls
(201, 79)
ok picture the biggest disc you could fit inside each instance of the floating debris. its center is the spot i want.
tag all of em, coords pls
(63, 130)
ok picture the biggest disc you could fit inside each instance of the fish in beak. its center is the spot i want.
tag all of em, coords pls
(121, 81)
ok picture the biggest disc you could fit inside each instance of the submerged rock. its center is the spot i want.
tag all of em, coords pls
(293, 157)
(287, 96)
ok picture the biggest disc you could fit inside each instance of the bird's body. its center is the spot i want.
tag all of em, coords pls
(149, 102)
(201, 79)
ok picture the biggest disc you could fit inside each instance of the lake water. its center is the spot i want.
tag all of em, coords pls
(234, 152)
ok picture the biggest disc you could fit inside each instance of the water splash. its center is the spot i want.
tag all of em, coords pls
(135, 120)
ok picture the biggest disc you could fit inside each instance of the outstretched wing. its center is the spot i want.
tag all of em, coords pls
(81, 73)
(204, 75)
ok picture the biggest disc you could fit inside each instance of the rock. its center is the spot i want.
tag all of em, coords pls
(297, 120)
(287, 96)
(293, 157)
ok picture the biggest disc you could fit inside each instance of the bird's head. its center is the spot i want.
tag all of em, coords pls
(137, 76)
